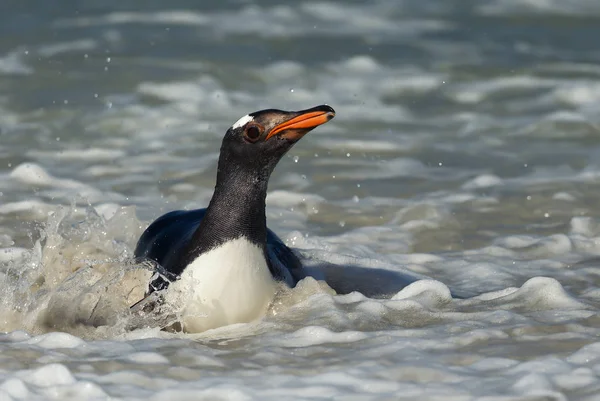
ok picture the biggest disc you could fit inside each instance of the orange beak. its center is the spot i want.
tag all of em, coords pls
(304, 122)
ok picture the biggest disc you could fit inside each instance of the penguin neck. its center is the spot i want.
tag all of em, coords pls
(237, 209)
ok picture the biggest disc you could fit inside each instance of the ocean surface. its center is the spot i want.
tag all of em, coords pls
(461, 176)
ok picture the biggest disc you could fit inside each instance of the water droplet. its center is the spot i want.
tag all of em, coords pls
(342, 223)
(108, 59)
(58, 139)
(96, 95)
(65, 101)
(440, 164)
(355, 199)
(357, 185)
(316, 155)
(333, 176)
(296, 158)
(546, 215)
(292, 90)
(528, 197)
(303, 176)
(347, 154)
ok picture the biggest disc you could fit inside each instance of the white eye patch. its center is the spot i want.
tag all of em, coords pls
(242, 121)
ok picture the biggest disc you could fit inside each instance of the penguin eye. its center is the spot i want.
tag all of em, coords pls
(252, 133)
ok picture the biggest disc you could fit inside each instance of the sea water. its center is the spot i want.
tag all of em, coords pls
(454, 199)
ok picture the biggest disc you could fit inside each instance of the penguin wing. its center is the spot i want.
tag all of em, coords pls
(283, 262)
(164, 239)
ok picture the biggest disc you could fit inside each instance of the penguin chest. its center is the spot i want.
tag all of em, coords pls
(229, 284)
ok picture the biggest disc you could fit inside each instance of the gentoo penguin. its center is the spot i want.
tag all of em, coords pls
(221, 265)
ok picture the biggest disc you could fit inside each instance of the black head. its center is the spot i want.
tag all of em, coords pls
(257, 141)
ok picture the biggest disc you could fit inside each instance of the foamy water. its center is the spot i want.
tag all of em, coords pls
(453, 202)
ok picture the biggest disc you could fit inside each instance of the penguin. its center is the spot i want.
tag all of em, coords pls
(221, 265)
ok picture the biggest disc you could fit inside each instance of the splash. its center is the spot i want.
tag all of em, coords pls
(78, 277)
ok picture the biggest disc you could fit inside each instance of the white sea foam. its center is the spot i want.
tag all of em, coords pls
(148, 358)
(483, 181)
(33, 174)
(56, 340)
(511, 7)
(64, 47)
(161, 17)
(277, 21)
(36, 209)
(12, 63)
(89, 155)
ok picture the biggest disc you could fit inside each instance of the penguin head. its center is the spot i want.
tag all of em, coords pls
(258, 140)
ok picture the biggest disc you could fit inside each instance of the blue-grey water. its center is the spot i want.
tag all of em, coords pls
(465, 151)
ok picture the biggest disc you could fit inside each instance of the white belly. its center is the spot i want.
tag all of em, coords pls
(229, 284)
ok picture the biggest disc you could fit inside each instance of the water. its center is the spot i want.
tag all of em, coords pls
(464, 151)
